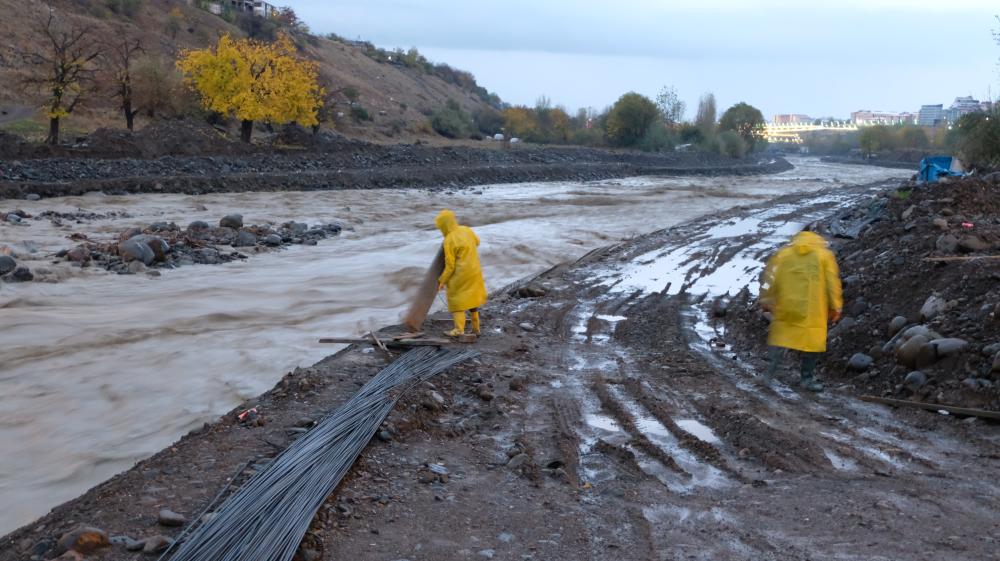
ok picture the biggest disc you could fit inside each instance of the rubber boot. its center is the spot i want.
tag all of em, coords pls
(475, 321)
(808, 381)
(459, 318)
(774, 360)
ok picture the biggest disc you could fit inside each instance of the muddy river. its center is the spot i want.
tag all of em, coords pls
(99, 370)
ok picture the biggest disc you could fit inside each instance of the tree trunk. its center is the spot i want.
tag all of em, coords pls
(129, 114)
(246, 130)
(53, 138)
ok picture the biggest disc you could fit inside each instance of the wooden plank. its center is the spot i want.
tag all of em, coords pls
(424, 297)
(416, 335)
(933, 407)
(965, 258)
(377, 342)
(393, 343)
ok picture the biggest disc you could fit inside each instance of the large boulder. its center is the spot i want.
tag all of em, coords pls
(159, 247)
(947, 243)
(234, 221)
(7, 264)
(916, 352)
(134, 250)
(245, 239)
(948, 346)
(83, 540)
(860, 362)
(897, 323)
(933, 307)
(972, 244)
(21, 274)
(129, 233)
(79, 254)
(915, 380)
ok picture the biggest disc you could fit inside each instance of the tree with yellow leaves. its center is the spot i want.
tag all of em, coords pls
(254, 81)
(519, 121)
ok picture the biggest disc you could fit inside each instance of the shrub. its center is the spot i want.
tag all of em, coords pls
(748, 122)
(976, 137)
(351, 93)
(657, 139)
(587, 137)
(451, 121)
(488, 120)
(691, 134)
(360, 114)
(630, 119)
(126, 8)
(731, 144)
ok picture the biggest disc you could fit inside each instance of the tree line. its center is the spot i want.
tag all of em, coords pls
(633, 121)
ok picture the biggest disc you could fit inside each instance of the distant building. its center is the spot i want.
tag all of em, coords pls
(931, 115)
(866, 118)
(791, 118)
(962, 106)
(256, 7)
(986, 106)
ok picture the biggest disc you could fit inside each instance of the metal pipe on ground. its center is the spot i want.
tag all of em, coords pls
(266, 519)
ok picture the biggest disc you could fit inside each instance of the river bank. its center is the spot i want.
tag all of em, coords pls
(606, 419)
(344, 165)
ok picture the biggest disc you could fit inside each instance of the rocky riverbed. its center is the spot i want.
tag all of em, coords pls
(160, 245)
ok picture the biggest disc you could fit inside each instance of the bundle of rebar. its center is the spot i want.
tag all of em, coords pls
(266, 519)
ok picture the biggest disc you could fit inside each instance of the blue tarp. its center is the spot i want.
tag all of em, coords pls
(933, 167)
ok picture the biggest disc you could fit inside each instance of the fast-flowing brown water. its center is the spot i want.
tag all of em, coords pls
(98, 370)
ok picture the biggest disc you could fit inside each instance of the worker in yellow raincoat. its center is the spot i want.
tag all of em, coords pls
(462, 275)
(801, 288)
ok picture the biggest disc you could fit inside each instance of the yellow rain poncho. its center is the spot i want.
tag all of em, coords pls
(462, 274)
(802, 285)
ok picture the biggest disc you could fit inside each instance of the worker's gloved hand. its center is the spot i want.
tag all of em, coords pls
(835, 316)
(440, 287)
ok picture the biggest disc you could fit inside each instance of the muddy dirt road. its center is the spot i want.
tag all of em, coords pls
(99, 370)
(607, 420)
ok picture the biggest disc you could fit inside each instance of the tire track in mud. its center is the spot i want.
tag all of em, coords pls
(700, 448)
(636, 437)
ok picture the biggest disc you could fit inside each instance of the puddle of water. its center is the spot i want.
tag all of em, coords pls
(611, 319)
(699, 430)
(602, 422)
(840, 462)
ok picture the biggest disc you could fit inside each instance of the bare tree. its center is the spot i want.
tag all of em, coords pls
(64, 70)
(705, 119)
(118, 58)
(670, 105)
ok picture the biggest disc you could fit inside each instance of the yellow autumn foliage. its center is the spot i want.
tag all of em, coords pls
(519, 121)
(255, 81)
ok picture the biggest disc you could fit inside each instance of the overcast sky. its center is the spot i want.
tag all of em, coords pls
(820, 58)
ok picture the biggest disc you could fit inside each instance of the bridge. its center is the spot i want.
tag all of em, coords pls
(792, 132)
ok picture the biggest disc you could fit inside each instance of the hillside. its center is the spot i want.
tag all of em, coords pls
(398, 99)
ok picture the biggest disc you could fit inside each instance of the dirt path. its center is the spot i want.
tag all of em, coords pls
(606, 419)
